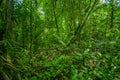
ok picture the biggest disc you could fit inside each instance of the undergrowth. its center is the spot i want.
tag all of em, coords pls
(92, 63)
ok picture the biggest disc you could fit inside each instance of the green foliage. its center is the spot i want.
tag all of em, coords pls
(75, 66)
(60, 40)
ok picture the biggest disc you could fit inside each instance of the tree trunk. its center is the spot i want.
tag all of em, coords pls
(112, 13)
(78, 30)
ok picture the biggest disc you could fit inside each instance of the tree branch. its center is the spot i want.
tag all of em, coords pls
(81, 25)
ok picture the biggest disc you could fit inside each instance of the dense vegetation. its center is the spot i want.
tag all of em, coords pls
(59, 39)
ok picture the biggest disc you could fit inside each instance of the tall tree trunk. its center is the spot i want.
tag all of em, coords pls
(78, 30)
(55, 17)
(7, 23)
(112, 13)
(2, 31)
(31, 27)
